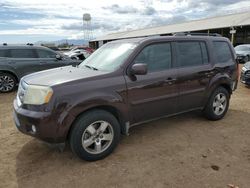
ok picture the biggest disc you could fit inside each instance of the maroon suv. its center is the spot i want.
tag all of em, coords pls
(125, 83)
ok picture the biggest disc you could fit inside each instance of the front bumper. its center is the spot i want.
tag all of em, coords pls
(244, 78)
(46, 125)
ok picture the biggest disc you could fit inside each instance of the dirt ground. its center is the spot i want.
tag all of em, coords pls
(185, 151)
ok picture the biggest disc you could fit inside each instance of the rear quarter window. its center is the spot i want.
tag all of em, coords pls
(222, 52)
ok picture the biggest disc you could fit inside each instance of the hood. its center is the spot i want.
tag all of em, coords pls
(247, 65)
(60, 75)
(242, 53)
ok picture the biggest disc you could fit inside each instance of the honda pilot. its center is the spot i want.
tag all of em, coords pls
(125, 83)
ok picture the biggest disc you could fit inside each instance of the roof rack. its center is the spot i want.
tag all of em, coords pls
(4, 44)
(29, 44)
(196, 34)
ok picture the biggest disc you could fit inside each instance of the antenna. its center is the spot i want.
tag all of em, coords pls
(87, 28)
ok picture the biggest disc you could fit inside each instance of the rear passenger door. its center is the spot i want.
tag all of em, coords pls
(24, 60)
(194, 73)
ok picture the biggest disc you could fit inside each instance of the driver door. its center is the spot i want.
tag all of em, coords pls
(155, 94)
(47, 59)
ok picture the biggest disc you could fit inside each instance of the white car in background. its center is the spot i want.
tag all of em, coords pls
(78, 54)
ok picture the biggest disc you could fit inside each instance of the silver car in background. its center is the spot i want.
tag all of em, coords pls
(243, 53)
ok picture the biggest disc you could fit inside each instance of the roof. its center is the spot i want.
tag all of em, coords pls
(168, 38)
(22, 47)
(231, 20)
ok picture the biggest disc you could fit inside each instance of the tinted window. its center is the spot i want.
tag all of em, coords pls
(46, 54)
(156, 56)
(3, 53)
(22, 53)
(222, 52)
(189, 54)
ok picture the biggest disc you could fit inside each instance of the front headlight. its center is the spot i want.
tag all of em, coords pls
(37, 95)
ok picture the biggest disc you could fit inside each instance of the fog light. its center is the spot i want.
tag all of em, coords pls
(33, 128)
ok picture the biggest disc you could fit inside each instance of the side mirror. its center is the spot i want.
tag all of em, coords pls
(58, 57)
(139, 69)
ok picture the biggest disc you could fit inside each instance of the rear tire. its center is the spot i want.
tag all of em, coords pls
(218, 104)
(94, 135)
(8, 82)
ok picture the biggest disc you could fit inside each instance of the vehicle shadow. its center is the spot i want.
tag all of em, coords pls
(39, 165)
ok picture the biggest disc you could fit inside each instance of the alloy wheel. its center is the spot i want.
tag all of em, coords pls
(6, 83)
(97, 137)
(219, 103)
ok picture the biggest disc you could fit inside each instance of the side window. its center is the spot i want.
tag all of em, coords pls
(222, 52)
(156, 56)
(189, 54)
(45, 54)
(3, 53)
(22, 53)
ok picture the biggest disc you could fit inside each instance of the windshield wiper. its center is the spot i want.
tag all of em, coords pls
(90, 67)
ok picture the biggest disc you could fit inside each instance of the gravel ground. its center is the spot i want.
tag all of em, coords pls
(185, 151)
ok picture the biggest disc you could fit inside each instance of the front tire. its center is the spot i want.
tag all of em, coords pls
(218, 104)
(94, 135)
(8, 82)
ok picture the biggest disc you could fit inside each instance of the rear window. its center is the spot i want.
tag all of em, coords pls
(222, 52)
(191, 53)
(22, 53)
(3, 53)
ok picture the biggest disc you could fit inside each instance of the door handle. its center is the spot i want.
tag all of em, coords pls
(170, 81)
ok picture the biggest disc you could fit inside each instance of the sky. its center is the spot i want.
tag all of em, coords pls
(23, 21)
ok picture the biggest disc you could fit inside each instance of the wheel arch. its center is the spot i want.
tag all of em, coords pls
(111, 109)
(222, 81)
(10, 72)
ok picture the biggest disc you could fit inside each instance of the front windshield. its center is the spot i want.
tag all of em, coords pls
(109, 57)
(242, 48)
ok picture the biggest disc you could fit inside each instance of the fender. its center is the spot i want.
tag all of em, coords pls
(8, 68)
(70, 113)
(216, 81)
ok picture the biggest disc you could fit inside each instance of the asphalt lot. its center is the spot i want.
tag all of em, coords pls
(185, 151)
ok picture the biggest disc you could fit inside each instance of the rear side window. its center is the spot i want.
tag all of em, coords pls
(46, 54)
(3, 53)
(156, 56)
(22, 53)
(222, 52)
(191, 53)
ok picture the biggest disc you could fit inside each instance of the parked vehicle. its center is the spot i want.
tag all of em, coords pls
(90, 50)
(18, 61)
(243, 53)
(125, 83)
(245, 74)
(78, 54)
